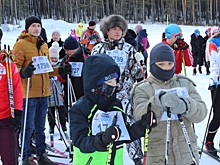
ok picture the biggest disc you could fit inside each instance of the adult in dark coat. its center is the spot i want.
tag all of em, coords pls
(205, 39)
(75, 54)
(197, 50)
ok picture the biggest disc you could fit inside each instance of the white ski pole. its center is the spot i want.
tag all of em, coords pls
(25, 119)
(167, 136)
(187, 138)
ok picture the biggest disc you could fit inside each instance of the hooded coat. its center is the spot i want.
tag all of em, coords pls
(197, 49)
(87, 145)
(143, 94)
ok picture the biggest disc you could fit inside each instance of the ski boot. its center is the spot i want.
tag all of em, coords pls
(138, 161)
(30, 161)
(200, 70)
(194, 71)
(211, 149)
(44, 160)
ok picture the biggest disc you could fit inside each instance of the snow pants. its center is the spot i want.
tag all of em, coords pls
(215, 123)
(8, 144)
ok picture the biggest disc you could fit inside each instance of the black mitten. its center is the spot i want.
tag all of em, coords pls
(64, 70)
(111, 134)
(148, 120)
(27, 71)
(16, 121)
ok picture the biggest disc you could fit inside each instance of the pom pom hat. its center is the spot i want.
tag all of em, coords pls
(54, 50)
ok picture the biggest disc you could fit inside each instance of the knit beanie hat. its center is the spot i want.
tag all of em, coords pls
(30, 20)
(138, 28)
(161, 52)
(197, 32)
(111, 22)
(92, 23)
(56, 30)
(172, 29)
(54, 50)
(71, 43)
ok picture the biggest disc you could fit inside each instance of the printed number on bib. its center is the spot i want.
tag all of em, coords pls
(42, 64)
(76, 69)
(102, 120)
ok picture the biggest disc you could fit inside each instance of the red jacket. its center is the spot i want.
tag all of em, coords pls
(181, 49)
(5, 111)
(84, 38)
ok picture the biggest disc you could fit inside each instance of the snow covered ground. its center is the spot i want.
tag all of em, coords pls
(154, 34)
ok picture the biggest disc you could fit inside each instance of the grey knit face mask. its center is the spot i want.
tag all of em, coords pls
(161, 74)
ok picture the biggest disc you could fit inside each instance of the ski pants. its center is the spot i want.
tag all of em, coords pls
(62, 116)
(8, 143)
(215, 123)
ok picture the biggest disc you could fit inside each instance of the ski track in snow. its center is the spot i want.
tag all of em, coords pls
(154, 35)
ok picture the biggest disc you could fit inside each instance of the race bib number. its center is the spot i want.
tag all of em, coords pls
(102, 120)
(181, 92)
(118, 56)
(76, 69)
(41, 64)
(93, 41)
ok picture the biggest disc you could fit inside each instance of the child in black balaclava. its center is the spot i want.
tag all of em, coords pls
(164, 91)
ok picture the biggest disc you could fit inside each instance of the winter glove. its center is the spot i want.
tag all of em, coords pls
(16, 121)
(111, 134)
(157, 101)
(27, 71)
(177, 105)
(148, 120)
(64, 70)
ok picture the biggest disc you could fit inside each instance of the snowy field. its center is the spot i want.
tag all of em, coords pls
(154, 34)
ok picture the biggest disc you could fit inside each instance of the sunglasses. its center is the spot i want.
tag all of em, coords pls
(80, 26)
(177, 36)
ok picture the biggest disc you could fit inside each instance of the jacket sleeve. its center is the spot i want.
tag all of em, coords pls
(20, 55)
(142, 95)
(84, 39)
(79, 129)
(17, 88)
(198, 109)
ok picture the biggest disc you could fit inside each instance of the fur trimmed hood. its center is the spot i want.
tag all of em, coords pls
(111, 22)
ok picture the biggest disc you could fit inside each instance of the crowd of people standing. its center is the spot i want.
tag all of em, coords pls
(50, 76)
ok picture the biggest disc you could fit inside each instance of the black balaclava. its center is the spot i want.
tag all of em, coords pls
(161, 52)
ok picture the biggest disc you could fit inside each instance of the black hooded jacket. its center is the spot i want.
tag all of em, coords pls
(83, 111)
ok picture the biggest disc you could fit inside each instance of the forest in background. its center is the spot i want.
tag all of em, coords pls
(183, 12)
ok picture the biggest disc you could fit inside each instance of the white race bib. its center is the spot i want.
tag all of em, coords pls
(76, 69)
(118, 56)
(102, 120)
(181, 92)
(93, 41)
(42, 64)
